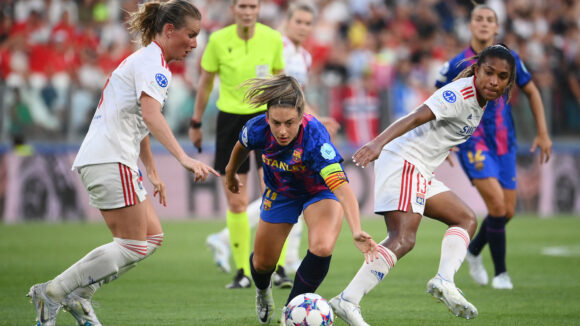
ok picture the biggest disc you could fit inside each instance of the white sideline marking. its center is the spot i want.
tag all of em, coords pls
(562, 251)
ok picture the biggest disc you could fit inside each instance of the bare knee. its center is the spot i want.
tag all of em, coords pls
(401, 244)
(497, 206)
(263, 264)
(468, 222)
(321, 249)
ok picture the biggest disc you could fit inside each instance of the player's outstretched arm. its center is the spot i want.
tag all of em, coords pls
(238, 156)
(157, 125)
(362, 240)
(371, 150)
(147, 158)
(542, 139)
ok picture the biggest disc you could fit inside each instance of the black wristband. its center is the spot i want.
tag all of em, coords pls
(194, 124)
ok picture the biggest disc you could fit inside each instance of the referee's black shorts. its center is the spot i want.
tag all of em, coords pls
(227, 132)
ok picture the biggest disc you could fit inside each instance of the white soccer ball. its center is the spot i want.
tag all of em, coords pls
(308, 309)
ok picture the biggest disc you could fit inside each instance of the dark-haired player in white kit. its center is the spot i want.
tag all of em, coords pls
(408, 152)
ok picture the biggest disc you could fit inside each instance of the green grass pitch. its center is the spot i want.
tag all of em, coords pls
(180, 285)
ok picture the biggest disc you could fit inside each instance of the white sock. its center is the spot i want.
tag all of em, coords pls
(153, 242)
(98, 264)
(370, 275)
(253, 217)
(294, 239)
(453, 251)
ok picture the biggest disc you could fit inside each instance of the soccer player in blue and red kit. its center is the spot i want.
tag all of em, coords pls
(302, 173)
(489, 156)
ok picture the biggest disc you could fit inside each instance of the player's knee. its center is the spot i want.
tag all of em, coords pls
(321, 249)
(469, 222)
(263, 265)
(496, 206)
(404, 243)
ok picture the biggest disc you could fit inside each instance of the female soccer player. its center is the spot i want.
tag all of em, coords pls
(489, 156)
(130, 108)
(302, 173)
(236, 53)
(408, 152)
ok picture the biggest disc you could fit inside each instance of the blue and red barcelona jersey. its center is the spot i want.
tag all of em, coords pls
(292, 170)
(496, 131)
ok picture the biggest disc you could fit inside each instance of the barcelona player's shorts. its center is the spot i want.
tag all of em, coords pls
(277, 208)
(483, 164)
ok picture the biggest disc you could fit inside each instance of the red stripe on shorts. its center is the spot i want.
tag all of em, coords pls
(123, 182)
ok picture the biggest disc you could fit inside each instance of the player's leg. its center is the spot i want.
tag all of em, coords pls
(323, 217)
(239, 230)
(395, 198)
(79, 302)
(270, 238)
(448, 208)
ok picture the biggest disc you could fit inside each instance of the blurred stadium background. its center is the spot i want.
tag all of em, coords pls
(373, 61)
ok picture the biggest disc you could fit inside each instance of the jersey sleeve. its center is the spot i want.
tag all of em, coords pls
(209, 60)
(444, 103)
(523, 76)
(448, 72)
(253, 135)
(152, 80)
(319, 151)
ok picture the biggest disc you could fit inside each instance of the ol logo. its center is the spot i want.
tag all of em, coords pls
(161, 80)
(449, 96)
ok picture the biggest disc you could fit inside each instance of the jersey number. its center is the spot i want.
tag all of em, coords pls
(479, 157)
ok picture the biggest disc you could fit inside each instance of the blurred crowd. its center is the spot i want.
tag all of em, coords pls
(373, 60)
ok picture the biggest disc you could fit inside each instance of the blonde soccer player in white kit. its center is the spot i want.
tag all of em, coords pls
(129, 108)
(407, 153)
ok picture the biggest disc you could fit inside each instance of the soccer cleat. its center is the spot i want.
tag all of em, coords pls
(502, 282)
(264, 305)
(282, 280)
(240, 281)
(347, 311)
(452, 297)
(81, 309)
(220, 250)
(46, 308)
(476, 269)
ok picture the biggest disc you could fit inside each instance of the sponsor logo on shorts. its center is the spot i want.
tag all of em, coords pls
(267, 205)
(420, 199)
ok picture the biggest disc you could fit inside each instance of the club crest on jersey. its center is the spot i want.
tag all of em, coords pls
(161, 80)
(449, 96)
(327, 151)
(297, 155)
(420, 199)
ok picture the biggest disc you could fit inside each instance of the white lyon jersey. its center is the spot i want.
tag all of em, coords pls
(117, 128)
(457, 115)
(297, 61)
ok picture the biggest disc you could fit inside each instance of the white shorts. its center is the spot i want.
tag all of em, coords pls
(112, 185)
(399, 186)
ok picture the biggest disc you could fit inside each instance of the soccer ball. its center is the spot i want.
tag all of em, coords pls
(308, 309)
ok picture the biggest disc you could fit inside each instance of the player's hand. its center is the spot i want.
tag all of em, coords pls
(196, 136)
(200, 170)
(233, 183)
(545, 144)
(449, 159)
(366, 154)
(365, 243)
(158, 188)
(331, 125)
